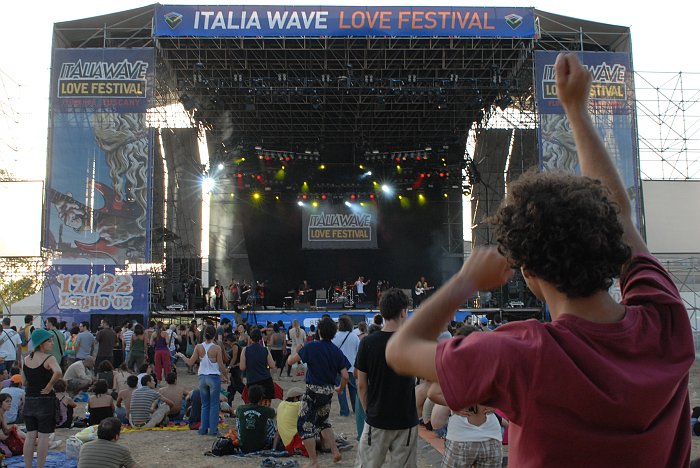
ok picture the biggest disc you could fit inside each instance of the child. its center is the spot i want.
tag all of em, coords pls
(66, 405)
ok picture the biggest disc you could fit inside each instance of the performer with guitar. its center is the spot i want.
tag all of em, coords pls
(360, 288)
(420, 291)
(304, 293)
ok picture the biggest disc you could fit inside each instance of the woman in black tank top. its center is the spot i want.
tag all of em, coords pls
(40, 372)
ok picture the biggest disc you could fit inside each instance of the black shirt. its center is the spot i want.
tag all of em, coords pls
(391, 398)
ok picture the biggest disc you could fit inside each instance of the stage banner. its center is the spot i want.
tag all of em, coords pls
(342, 21)
(98, 190)
(336, 227)
(612, 107)
(73, 292)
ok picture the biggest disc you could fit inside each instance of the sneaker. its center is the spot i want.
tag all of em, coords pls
(343, 445)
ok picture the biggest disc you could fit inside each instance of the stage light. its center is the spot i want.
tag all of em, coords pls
(445, 195)
(361, 167)
(371, 196)
(375, 184)
(400, 197)
(304, 196)
(221, 166)
(362, 203)
(352, 197)
(232, 195)
(323, 196)
(256, 196)
(304, 187)
(277, 197)
(386, 189)
(421, 199)
(322, 166)
(208, 184)
(398, 168)
(300, 203)
(314, 204)
(348, 204)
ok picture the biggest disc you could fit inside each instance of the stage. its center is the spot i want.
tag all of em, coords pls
(311, 316)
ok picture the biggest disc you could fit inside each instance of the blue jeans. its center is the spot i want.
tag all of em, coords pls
(209, 390)
(121, 414)
(343, 399)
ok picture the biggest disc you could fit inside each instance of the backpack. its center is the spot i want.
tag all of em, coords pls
(24, 334)
(224, 446)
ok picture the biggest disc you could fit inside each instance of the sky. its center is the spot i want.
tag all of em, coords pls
(660, 43)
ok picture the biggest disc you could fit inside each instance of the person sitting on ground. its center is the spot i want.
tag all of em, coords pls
(79, 376)
(124, 398)
(6, 430)
(6, 383)
(176, 394)
(105, 371)
(605, 382)
(143, 412)
(120, 376)
(100, 405)
(194, 410)
(287, 417)
(66, 405)
(255, 423)
(14, 415)
(105, 452)
(145, 369)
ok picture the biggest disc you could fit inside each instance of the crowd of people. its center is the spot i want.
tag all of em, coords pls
(602, 384)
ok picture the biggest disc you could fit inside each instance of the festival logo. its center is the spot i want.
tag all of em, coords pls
(514, 21)
(173, 19)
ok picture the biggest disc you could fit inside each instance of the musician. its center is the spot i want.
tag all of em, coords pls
(244, 288)
(304, 293)
(360, 288)
(420, 291)
(260, 293)
(382, 285)
(218, 295)
(234, 294)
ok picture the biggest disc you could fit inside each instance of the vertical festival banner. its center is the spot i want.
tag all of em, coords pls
(98, 189)
(612, 107)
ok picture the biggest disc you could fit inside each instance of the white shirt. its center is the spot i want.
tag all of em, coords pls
(360, 287)
(459, 429)
(128, 334)
(349, 347)
(10, 343)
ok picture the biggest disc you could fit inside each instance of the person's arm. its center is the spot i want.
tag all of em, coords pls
(294, 356)
(573, 82)
(270, 360)
(344, 377)
(241, 365)
(362, 387)
(411, 350)
(192, 359)
(222, 366)
(53, 366)
(165, 400)
(435, 394)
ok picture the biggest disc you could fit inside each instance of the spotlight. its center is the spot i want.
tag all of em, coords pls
(348, 204)
(322, 166)
(386, 189)
(221, 166)
(256, 196)
(208, 184)
(314, 204)
(300, 203)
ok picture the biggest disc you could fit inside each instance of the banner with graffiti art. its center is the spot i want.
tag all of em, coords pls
(72, 292)
(331, 227)
(612, 107)
(99, 169)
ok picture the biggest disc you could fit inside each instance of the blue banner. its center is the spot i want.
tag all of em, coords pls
(98, 188)
(612, 107)
(73, 292)
(345, 21)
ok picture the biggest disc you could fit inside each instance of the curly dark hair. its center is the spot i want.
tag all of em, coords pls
(564, 229)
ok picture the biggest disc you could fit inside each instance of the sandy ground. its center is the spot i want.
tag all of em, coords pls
(186, 448)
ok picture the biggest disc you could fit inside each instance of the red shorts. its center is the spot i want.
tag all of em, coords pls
(296, 443)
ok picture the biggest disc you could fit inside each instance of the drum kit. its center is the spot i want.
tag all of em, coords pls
(344, 294)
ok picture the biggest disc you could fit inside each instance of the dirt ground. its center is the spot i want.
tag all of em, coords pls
(186, 448)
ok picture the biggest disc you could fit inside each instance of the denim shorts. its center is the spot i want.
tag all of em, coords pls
(40, 414)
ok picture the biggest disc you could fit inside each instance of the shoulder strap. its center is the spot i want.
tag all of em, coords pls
(44, 361)
(10, 338)
(346, 337)
(59, 342)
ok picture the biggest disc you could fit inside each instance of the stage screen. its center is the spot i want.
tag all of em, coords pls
(20, 202)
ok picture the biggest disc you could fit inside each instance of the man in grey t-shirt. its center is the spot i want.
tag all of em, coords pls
(84, 342)
(105, 452)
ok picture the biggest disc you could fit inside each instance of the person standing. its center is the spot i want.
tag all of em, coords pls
(388, 399)
(161, 357)
(609, 378)
(137, 353)
(218, 295)
(84, 342)
(127, 334)
(26, 332)
(59, 342)
(420, 291)
(324, 361)
(348, 343)
(211, 373)
(40, 373)
(256, 361)
(10, 346)
(105, 338)
(360, 288)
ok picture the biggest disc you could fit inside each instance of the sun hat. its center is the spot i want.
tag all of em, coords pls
(39, 336)
(294, 392)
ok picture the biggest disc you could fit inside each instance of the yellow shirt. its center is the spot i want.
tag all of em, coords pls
(287, 415)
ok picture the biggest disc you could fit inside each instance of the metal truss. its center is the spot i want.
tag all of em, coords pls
(668, 114)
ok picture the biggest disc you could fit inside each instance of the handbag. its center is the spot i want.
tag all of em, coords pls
(14, 442)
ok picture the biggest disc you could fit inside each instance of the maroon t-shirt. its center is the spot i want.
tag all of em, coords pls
(579, 393)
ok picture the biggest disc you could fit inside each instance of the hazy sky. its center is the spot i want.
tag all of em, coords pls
(660, 40)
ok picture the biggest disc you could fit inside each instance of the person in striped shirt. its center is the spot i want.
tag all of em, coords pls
(105, 452)
(127, 333)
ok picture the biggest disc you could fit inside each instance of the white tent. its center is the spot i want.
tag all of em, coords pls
(28, 305)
